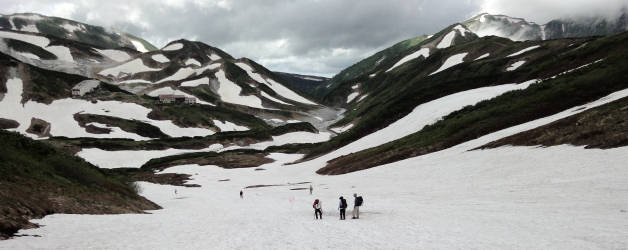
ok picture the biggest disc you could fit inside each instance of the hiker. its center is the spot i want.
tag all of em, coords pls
(241, 194)
(356, 206)
(318, 209)
(342, 206)
(311, 189)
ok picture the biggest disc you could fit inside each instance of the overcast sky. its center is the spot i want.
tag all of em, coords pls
(319, 37)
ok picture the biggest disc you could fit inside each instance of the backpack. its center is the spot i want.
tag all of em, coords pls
(359, 201)
(344, 203)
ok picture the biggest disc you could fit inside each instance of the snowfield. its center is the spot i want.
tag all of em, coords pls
(506, 198)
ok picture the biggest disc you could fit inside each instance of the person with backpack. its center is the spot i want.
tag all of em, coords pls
(356, 206)
(318, 209)
(342, 206)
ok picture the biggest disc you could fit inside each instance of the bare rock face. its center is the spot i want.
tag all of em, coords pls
(39, 127)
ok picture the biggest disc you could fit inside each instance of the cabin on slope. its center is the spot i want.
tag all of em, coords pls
(85, 87)
(169, 98)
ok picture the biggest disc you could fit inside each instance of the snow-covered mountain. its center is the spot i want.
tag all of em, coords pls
(518, 29)
(447, 124)
(394, 99)
(63, 28)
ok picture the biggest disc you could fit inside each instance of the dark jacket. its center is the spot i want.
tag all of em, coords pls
(358, 201)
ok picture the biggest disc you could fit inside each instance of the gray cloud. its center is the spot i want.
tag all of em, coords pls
(303, 36)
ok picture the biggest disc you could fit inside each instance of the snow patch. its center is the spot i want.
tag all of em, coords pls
(192, 61)
(181, 74)
(515, 65)
(214, 57)
(139, 46)
(72, 28)
(28, 55)
(135, 81)
(352, 96)
(131, 67)
(362, 97)
(447, 40)
(133, 158)
(482, 56)
(425, 52)
(343, 128)
(30, 28)
(264, 94)
(524, 50)
(462, 30)
(451, 61)
(63, 53)
(172, 47)
(229, 126)
(196, 82)
(230, 92)
(160, 58)
(116, 55)
(33, 39)
(275, 86)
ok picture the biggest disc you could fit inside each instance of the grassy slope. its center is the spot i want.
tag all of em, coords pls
(243, 158)
(131, 126)
(602, 127)
(36, 179)
(367, 65)
(512, 108)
